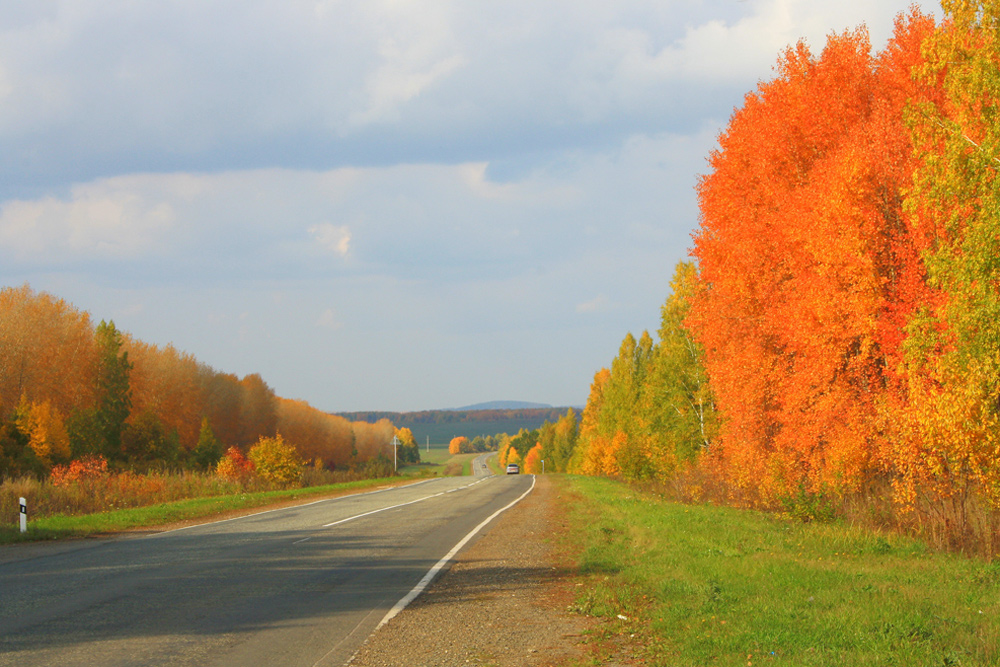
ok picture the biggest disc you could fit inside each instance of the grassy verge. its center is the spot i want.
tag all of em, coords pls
(494, 464)
(63, 526)
(696, 585)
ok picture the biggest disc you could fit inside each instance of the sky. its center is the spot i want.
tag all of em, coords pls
(378, 204)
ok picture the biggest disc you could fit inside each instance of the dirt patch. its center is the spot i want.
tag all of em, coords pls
(503, 603)
(452, 470)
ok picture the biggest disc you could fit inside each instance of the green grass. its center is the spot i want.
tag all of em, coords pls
(438, 455)
(700, 585)
(438, 462)
(63, 526)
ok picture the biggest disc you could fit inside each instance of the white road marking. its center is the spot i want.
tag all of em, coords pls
(290, 507)
(423, 583)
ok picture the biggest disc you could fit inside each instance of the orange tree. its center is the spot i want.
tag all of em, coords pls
(809, 269)
(458, 445)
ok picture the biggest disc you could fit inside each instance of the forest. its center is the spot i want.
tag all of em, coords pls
(833, 346)
(71, 390)
(442, 426)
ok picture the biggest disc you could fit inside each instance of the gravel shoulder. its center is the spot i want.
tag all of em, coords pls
(503, 602)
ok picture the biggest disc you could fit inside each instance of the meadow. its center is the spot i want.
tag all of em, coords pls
(678, 585)
(438, 462)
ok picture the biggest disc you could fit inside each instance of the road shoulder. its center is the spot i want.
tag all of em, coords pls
(502, 603)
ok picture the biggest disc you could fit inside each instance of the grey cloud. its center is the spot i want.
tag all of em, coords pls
(93, 88)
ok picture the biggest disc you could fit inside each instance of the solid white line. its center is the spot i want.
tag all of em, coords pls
(419, 588)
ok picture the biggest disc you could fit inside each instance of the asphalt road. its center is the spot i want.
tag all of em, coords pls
(298, 586)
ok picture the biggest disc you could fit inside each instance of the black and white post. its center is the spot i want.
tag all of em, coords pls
(24, 515)
(395, 461)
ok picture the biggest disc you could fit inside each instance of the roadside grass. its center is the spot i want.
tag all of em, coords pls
(686, 585)
(61, 526)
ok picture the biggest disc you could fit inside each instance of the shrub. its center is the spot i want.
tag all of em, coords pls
(84, 468)
(379, 467)
(276, 461)
(234, 465)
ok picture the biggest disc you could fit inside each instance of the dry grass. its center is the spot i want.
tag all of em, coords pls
(113, 491)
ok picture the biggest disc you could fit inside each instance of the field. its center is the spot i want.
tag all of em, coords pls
(438, 462)
(698, 585)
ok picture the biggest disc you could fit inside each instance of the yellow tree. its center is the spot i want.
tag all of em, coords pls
(43, 425)
(590, 436)
(947, 444)
(408, 451)
(533, 460)
(47, 350)
(457, 444)
(276, 461)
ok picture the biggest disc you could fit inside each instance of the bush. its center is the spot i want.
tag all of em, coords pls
(234, 465)
(378, 467)
(84, 468)
(276, 461)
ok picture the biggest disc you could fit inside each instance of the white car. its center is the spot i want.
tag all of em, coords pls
(513, 469)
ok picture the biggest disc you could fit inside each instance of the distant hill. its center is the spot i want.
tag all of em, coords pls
(440, 426)
(503, 405)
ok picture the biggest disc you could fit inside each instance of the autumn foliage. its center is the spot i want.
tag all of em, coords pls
(459, 445)
(87, 467)
(809, 265)
(234, 465)
(842, 320)
(276, 461)
(70, 389)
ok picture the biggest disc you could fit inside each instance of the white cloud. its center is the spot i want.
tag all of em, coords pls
(95, 222)
(408, 220)
(328, 320)
(335, 238)
(396, 82)
(412, 47)
(594, 305)
(713, 51)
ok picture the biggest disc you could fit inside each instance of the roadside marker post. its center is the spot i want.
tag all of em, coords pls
(24, 515)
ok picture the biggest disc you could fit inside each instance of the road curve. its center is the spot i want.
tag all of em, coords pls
(302, 585)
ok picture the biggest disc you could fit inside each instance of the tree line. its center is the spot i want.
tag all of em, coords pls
(70, 388)
(536, 415)
(837, 334)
